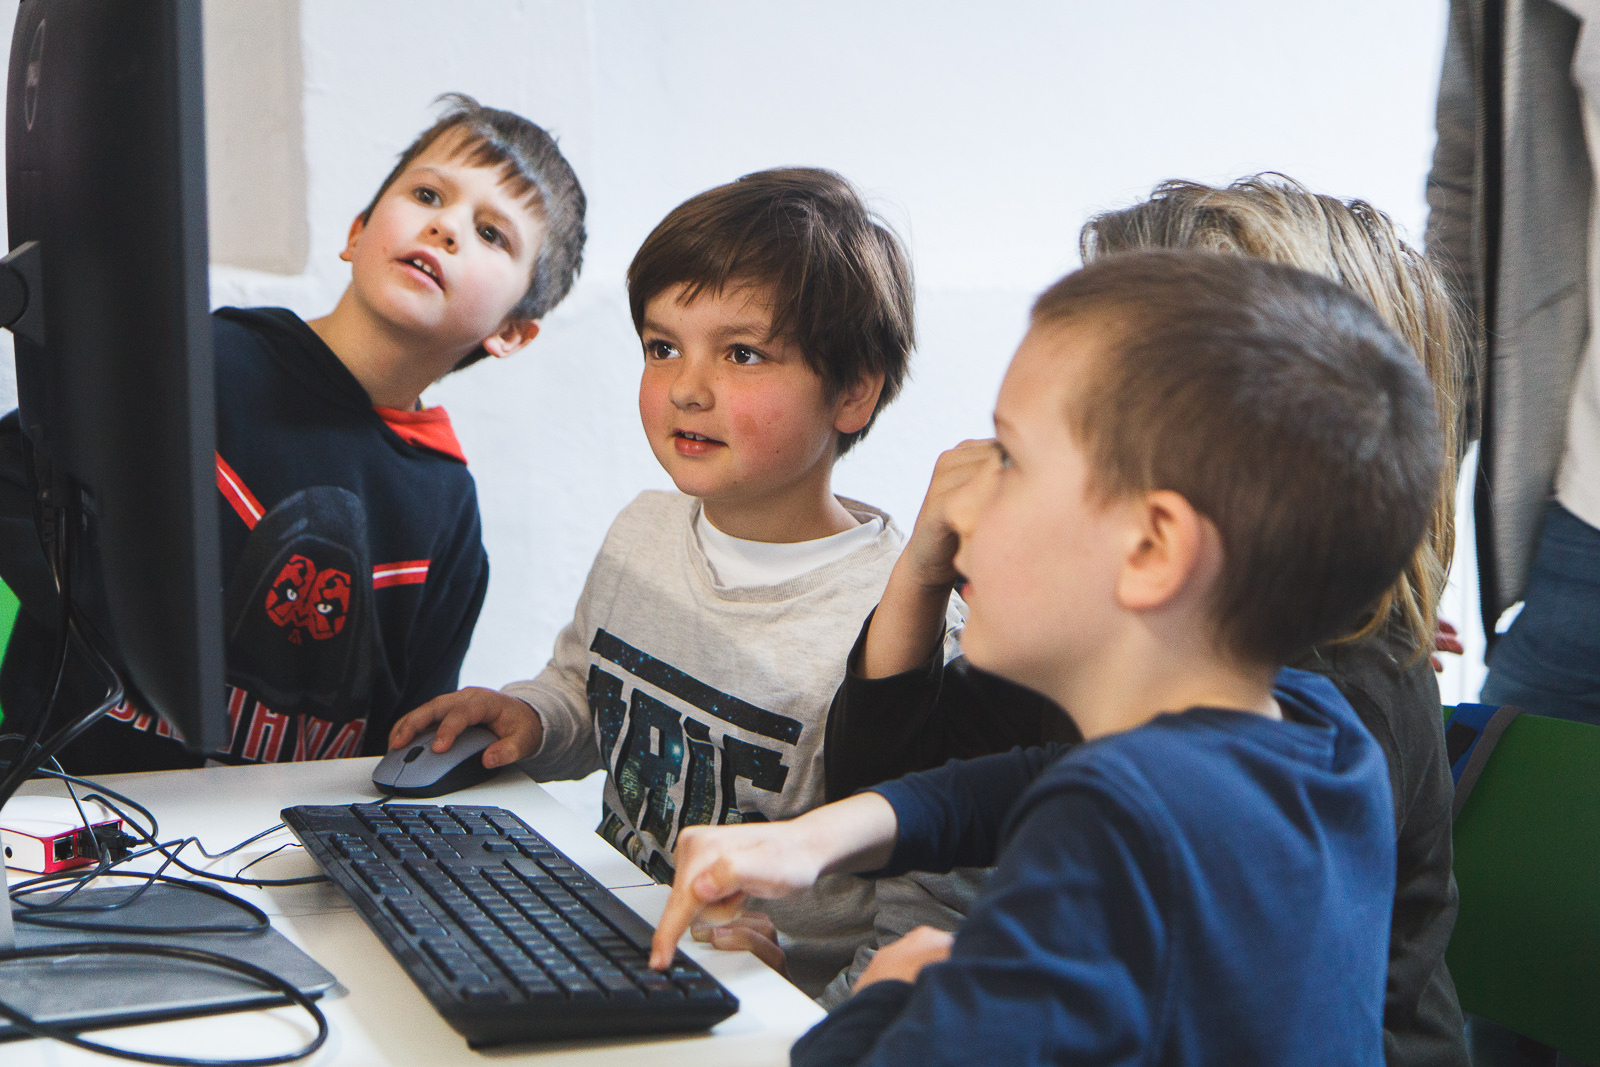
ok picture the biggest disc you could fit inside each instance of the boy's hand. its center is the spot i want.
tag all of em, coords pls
(518, 726)
(718, 866)
(749, 931)
(1446, 639)
(931, 549)
(904, 960)
(906, 628)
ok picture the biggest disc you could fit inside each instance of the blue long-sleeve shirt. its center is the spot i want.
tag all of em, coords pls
(1213, 887)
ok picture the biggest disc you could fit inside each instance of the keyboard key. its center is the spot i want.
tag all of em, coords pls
(507, 823)
(701, 989)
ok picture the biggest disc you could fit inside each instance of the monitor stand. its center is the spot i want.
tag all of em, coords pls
(94, 991)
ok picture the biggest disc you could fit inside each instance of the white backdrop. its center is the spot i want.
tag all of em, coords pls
(984, 134)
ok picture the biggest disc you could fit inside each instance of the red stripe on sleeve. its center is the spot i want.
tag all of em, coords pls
(411, 572)
(237, 494)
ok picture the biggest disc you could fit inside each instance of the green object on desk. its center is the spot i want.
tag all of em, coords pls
(8, 619)
(1526, 948)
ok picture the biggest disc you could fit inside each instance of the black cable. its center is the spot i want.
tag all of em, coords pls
(67, 1035)
(46, 914)
(84, 821)
(122, 798)
(80, 878)
(252, 839)
(22, 769)
(57, 914)
(86, 634)
(30, 745)
(260, 883)
(34, 752)
(73, 624)
(265, 855)
(105, 796)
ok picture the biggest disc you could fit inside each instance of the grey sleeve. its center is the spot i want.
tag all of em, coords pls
(1451, 240)
(560, 692)
(560, 697)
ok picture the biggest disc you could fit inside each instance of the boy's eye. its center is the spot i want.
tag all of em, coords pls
(492, 236)
(1002, 455)
(745, 356)
(424, 195)
(659, 350)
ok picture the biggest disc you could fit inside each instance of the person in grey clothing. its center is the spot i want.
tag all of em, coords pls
(1511, 221)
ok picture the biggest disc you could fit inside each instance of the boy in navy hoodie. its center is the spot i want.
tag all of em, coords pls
(1203, 465)
(353, 564)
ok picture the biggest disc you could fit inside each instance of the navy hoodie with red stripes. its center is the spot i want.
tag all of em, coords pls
(352, 559)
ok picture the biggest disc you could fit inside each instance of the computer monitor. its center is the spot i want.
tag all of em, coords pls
(105, 292)
(105, 171)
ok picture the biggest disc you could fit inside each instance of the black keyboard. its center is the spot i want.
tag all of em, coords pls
(509, 939)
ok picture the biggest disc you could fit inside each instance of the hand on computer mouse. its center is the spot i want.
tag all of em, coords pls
(517, 725)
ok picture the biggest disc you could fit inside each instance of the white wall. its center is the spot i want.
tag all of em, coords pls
(985, 134)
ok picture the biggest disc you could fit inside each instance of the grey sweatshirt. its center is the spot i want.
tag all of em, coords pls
(708, 704)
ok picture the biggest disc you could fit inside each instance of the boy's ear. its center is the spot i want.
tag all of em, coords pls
(854, 406)
(511, 337)
(1174, 552)
(350, 243)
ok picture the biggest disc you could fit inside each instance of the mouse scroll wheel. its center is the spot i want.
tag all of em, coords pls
(413, 754)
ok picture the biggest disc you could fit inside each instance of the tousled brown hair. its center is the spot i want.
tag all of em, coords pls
(838, 279)
(1281, 407)
(1272, 217)
(534, 169)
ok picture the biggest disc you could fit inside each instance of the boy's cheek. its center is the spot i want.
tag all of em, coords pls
(763, 429)
(652, 398)
(777, 426)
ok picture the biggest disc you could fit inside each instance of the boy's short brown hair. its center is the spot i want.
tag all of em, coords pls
(840, 282)
(1282, 408)
(534, 168)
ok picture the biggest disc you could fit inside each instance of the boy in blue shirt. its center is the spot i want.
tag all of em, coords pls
(1202, 466)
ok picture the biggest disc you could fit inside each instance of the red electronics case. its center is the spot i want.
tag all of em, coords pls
(46, 834)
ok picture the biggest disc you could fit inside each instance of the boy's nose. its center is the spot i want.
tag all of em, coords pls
(691, 387)
(441, 231)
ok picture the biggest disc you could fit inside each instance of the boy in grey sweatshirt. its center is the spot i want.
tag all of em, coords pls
(776, 318)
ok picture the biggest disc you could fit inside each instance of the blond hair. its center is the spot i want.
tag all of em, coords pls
(1272, 217)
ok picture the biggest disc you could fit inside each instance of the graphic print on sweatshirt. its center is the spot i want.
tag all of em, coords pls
(679, 752)
(300, 629)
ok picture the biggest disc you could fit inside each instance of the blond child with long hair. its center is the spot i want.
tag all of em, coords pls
(901, 710)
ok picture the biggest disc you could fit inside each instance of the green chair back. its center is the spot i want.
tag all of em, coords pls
(1526, 948)
(8, 619)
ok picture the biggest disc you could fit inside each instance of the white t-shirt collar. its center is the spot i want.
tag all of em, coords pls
(739, 564)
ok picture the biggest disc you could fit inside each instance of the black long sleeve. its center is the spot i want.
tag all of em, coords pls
(883, 728)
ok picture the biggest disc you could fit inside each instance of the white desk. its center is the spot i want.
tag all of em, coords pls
(379, 1017)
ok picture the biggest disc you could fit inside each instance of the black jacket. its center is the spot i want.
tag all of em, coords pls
(352, 562)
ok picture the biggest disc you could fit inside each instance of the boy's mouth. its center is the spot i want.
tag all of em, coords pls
(694, 444)
(425, 266)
